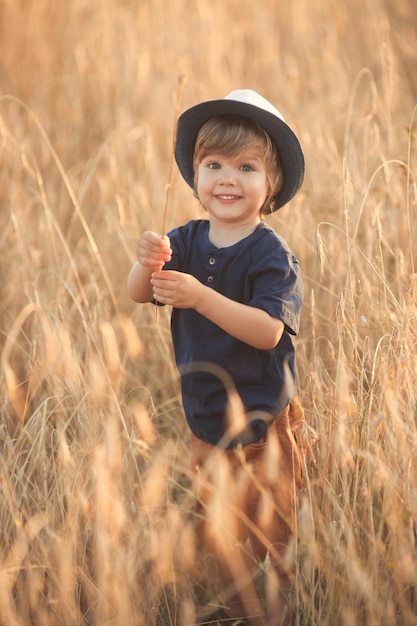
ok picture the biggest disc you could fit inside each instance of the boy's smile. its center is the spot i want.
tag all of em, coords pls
(233, 188)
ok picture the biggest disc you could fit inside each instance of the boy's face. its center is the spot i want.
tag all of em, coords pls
(233, 188)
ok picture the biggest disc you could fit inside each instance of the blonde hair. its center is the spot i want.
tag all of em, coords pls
(232, 134)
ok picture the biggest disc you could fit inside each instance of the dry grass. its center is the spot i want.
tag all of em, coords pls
(95, 504)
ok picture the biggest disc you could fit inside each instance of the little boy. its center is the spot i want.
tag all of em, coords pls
(236, 292)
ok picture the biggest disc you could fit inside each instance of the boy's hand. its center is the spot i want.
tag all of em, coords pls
(153, 250)
(176, 288)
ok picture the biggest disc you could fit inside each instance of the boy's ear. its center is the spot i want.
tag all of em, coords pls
(268, 206)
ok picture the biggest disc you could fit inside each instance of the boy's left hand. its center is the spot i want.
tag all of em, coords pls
(176, 288)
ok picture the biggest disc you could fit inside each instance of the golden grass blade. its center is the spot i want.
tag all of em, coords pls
(182, 78)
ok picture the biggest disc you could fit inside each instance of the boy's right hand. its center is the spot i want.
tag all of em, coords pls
(153, 250)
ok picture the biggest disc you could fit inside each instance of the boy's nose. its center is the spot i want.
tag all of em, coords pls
(227, 176)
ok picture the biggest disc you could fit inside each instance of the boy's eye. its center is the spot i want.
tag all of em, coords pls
(213, 165)
(246, 168)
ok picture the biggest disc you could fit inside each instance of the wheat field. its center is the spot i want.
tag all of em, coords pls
(96, 510)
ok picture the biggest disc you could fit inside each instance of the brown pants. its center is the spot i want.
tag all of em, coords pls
(245, 508)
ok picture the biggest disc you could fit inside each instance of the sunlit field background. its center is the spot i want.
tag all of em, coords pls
(96, 511)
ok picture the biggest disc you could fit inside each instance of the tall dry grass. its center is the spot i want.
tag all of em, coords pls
(95, 502)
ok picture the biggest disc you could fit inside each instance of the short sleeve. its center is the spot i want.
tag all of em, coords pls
(277, 288)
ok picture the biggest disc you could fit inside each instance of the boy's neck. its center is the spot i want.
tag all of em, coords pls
(224, 236)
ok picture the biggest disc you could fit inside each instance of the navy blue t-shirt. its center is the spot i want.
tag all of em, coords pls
(259, 271)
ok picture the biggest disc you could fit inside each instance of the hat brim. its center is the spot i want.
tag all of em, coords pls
(291, 154)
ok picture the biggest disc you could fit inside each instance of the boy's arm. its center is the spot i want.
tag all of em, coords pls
(248, 324)
(139, 283)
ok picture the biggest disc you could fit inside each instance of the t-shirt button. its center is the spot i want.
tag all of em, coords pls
(210, 279)
(212, 261)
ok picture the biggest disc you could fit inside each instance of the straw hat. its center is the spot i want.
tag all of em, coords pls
(249, 104)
